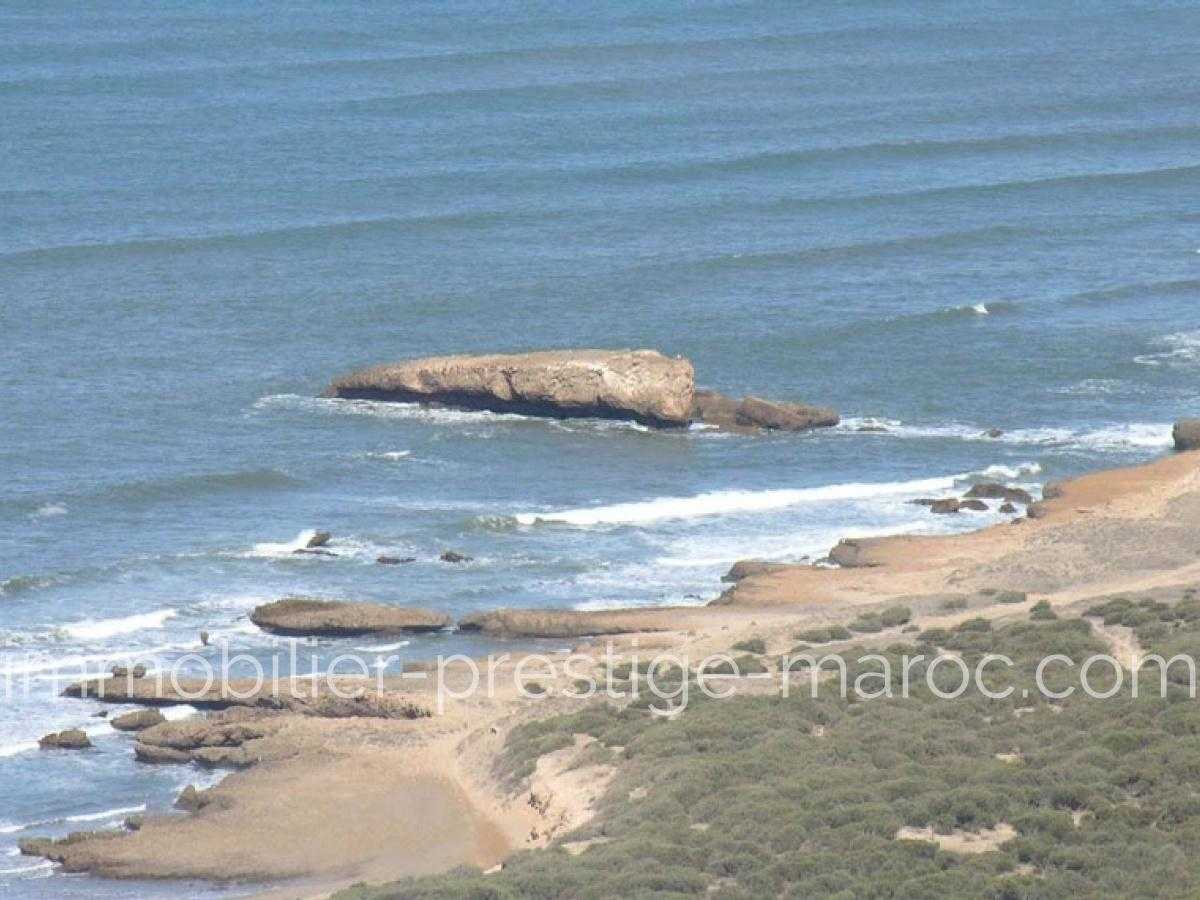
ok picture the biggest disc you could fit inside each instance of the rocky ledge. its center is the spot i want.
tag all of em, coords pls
(299, 697)
(305, 616)
(754, 413)
(72, 739)
(568, 623)
(640, 385)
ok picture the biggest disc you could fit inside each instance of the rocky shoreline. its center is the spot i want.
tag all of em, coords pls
(302, 758)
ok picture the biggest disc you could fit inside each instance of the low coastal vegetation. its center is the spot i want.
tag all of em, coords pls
(795, 796)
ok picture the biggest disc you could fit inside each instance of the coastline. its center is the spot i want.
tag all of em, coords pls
(339, 792)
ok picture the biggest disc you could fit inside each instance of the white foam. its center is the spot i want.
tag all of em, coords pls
(83, 663)
(106, 814)
(392, 455)
(33, 867)
(1179, 348)
(383, 409)
(284, 548)
(980, 309)
(50, 510)
(1135, 435)
(101, 629)
(998, 471)
(383, 648)
(1116, 437)
(176, 713)
(633, 603)
(717, 503)
(16, 749)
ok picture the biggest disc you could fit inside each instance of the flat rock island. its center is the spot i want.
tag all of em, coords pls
(638, 385)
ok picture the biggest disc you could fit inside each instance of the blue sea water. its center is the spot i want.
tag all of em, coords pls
(944, 217)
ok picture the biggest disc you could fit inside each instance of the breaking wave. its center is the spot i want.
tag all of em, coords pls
(102, 629)
(1117, 437)
(716, 503)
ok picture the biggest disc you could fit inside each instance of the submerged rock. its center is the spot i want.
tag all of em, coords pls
(642, 385)
(319, 539)
(138, 720)
(992, 490)
(1186, 434)
(974, 505)
(394, 560)
(754, 413)
(304, 616)
(71, 739)
(945, 507)
(450, 556)
(758, 413)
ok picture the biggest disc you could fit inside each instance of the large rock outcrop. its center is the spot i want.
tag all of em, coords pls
(642, 385)
(305, 616)
(1186, 434)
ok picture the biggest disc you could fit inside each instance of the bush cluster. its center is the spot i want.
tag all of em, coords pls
(797, 797)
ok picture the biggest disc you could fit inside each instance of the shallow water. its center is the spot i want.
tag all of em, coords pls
(945, 219)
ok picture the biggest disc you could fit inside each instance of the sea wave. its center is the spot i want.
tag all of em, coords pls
(203, 484)
(1181, 348)
(716, 503)
(383, 409)
(384, 648)
(1117, 437)
(19, 584)
(42, 866)
(86, 665)
(102, 629)
(273, 549)
(389, 455)
(49, 511)
(346, 547)
(106, 814)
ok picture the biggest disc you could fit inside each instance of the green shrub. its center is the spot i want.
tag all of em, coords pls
(894, 616)
(954, 604)
(823, 635)
(741, 665)
(976, 624)
(1041, 611)
(1010, 597)
(802, 797)
(753, 645)
(866, 624)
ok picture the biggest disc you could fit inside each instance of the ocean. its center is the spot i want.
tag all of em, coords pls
(941, 218)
